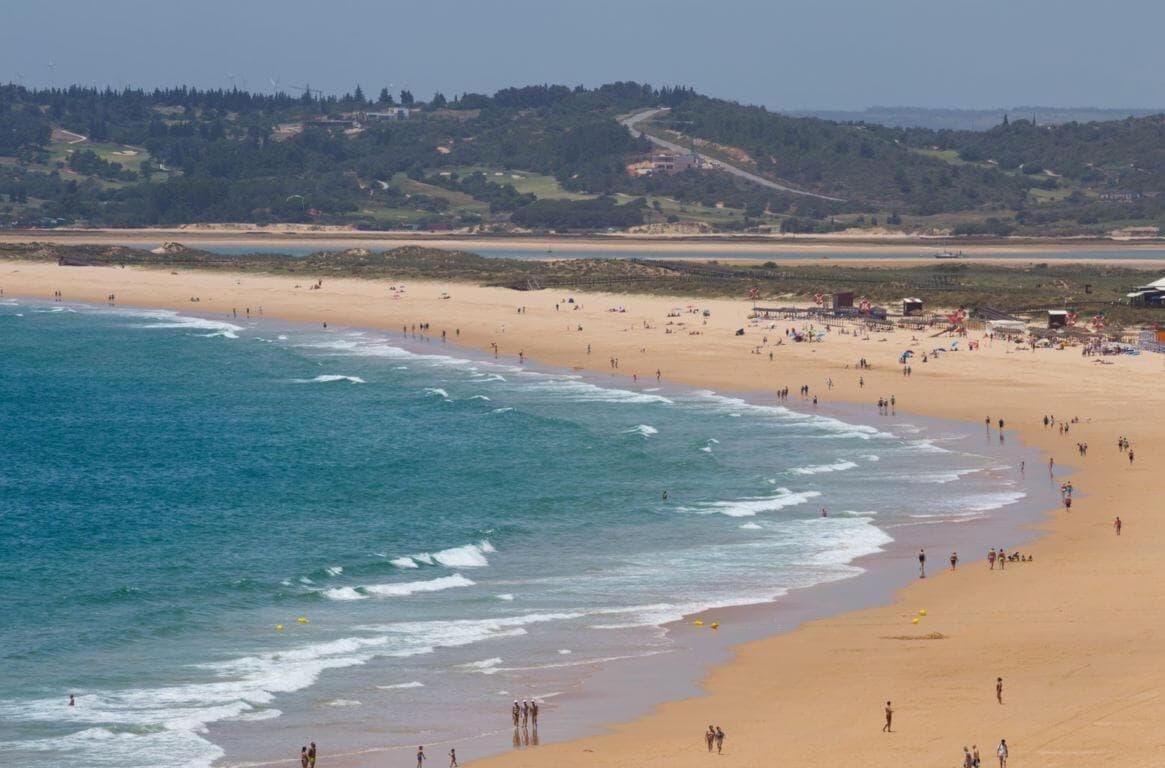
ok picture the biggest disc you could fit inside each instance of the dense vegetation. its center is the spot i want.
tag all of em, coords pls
(548, 157)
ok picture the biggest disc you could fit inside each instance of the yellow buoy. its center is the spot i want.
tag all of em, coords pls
(302, 620)
(715, 625)
(698, 623)
(922, 612)
(278, 627)
(914, 620)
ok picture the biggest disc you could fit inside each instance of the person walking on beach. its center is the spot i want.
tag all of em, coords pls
(975, 755)
(922, 563)
(968, 761)
(719, 740)
(311, 755)
(420, 757)
(303, 757)
(516, 711)
(889, 717)
(954, 560)
(1001, 556)
(999, 689)
(710, 737)
(1001, 750)
(453, 758)
(991, 558)
(1116, 526)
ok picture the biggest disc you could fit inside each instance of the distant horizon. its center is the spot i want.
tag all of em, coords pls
(370, 95)
(845, 55)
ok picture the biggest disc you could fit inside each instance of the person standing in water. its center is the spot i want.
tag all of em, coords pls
(420, 757)
(954, 560)
(516, 711)
(534, 712)
(311, 755)
(922, 563)
(453, 758)
(73, 700)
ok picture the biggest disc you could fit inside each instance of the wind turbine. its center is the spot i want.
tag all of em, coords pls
(274, 84)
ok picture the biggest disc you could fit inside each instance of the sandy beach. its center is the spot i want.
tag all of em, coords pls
(1072, 634)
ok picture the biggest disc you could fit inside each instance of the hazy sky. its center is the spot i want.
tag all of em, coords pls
(811, 54)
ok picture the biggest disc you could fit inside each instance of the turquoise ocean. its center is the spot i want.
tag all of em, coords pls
(458, 532)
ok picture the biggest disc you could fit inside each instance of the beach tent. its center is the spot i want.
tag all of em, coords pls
(1006, 326)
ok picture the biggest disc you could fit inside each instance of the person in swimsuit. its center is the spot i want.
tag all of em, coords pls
(453, 758)
(710, 737)
(1116, 526)
(525, 712)
(516, 711)
(999, 689)
(889, 717)
(975, 755)
(922, 563)
(311, 755)
(534, 713)
(954, 560)
(303, 757)
(991, 558)
(719, 740)
(420, 757)
(73, 701)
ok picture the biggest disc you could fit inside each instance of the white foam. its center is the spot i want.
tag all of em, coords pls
(480, 397)
(165, 319)
(501, 410)
(749, 507)
(398, 589)
(505, 596)
(342, 703)
(334, 570)
(404, 562)
(144, 727)
(343, 593)
(872, 457)
(330, 377)
(644, 430)
(751, 527)
(437, 392)
(485, 665)
(572, 390)
(468, 556)
(837, 466)
(400, 686)
(564, 651)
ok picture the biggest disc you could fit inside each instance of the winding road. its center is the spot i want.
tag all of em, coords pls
(630, 121)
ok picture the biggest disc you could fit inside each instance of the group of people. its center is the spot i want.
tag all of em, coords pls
(971, 756)
(307, 756)
(526, 713)
(714, 737)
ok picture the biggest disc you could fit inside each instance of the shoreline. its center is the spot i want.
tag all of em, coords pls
(828, 663)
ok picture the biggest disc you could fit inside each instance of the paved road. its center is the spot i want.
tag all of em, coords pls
(633, 120)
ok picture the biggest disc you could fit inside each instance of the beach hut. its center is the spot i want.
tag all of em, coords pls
(843, 300)
(911, 307)
(1057, 318)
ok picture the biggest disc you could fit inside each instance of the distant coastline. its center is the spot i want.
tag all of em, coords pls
(345, 237)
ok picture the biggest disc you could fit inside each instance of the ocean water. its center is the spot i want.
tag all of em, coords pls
(457, 532)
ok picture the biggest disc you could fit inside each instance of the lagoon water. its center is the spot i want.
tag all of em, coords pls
(457, 531)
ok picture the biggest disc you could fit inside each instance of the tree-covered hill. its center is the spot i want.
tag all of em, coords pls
(547, 158)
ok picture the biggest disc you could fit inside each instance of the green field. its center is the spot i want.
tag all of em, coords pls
(541, 186)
